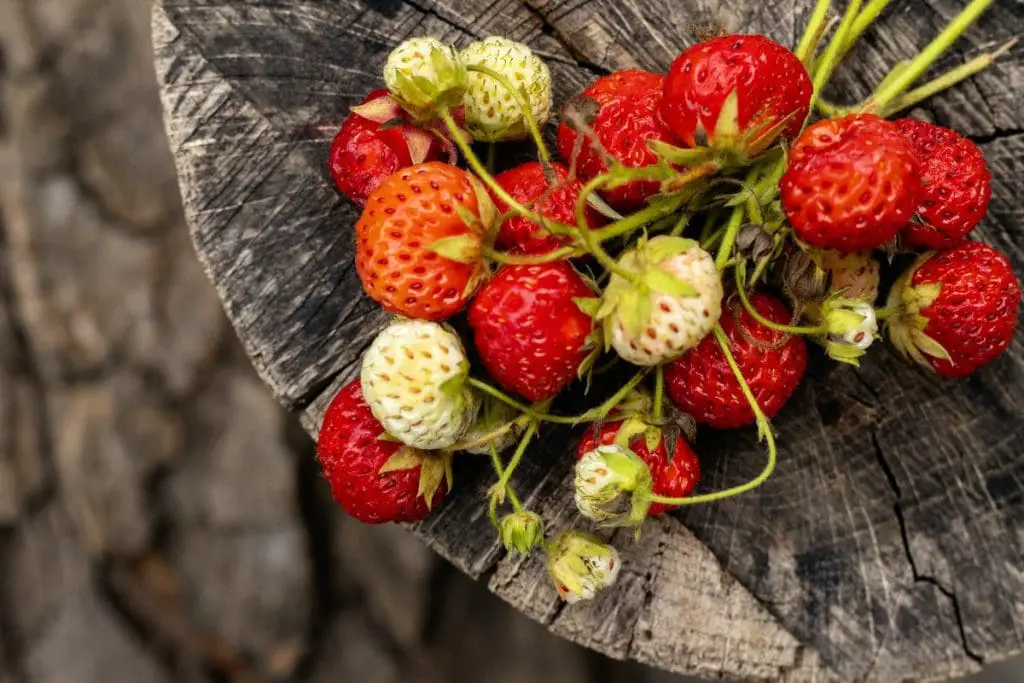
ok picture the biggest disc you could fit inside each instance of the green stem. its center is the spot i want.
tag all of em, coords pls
(830, 110)
(597, 413)
(923, 61)
(764, 430)
(830, 59)
(659, 391)
(529, 259)
(732, 229)
(761, 320)
(864, 19)
(590, 240)
(680, 227)
(883, 313)
(524, 105)
(945, 81)
(812, 34)
(517, 457)
(499, 470)
(632, 222)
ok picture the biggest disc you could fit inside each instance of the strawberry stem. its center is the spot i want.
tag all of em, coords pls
(764, 430)
(530, 259)
(923, 61)
(524, 105)
(741, 289)
(826, 66)
(659, 392)
(864, 19)
(512, 497)
(501, 430)
(631, 223)
(732, 229)
(517, 457)
(593, 244)
(812, 34)
(680, 227)
(883, 313)
(945, 81)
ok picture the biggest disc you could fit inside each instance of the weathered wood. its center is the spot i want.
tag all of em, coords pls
(888, 544)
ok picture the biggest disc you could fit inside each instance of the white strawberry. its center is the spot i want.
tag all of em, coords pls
(611, 485)
(856, 274)
(675, 301)
(424, 74)
(581, 565)
(413, 379)
(492, 112)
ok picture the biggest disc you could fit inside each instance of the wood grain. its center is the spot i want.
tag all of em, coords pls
(887, 546)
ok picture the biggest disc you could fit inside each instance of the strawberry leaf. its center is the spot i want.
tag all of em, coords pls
(460, 248)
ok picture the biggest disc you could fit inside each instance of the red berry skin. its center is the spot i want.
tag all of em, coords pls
(852, 183)
(629, 116)
(702, 384)
(527, 183)
(362, 155)
(975, 315)
(675, 478)
(531, 336)
(351, 456)
(771, 84)
(955, 185)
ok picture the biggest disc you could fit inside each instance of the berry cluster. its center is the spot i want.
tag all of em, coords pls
(700, 230)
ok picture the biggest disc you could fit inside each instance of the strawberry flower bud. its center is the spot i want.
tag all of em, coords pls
(493, 113)
(851, 327)
(581, 565)
(522, 531)
(611, 486)
(423, 74)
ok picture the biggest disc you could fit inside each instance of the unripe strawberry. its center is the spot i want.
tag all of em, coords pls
(675, 302)
(581, 565)
(493, 416)
(413, 379)
(424, 74)
(611, 486)
(492, 112)
(856, 275)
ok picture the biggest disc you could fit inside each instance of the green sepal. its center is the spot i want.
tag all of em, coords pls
(662, 281)
(460, 248)
(727, 127)
(402, 460)
(652, 438)
(384, 436)
(844, 353)
(665, 247)
(452, 387)
(630, 429)
(680, 155)
(588, 304)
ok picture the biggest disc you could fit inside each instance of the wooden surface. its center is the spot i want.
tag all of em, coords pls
(888, 546)
(161, 517)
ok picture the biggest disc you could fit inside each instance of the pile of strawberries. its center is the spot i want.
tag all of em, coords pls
(699, 229)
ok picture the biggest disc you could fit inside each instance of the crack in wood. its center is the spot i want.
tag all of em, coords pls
(919, 577)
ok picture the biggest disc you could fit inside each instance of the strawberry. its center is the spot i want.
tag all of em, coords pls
(530, 182)
(363, 153)
(957, 309)
(955, 185)
(493, 114)
(738, 92)
(531, 335)
(674, 473)
(628, 116)
(852, 183)
(674, 305)
(413, 378)
(418, 241)
(856, 275)
(375, 479)
(425, 75)
(702, 384)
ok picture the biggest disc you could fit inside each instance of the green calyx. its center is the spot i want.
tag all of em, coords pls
(521, 531)
(613, 486)
(435, 467)
(424, 75)
(906, 326)
(851, 326)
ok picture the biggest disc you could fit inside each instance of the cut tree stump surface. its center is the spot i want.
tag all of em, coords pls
(888, 545)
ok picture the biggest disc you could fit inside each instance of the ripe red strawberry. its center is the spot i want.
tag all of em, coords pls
(703, 385)
(629, 116)
(531, 335)
(355, 461)
(415, 253)
(675, 476)
(363, 154)
(958, 309)
(852, 183)
(955, 185)
(772, 91)
(527, 183)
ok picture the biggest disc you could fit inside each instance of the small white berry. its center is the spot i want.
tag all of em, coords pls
(424, 74)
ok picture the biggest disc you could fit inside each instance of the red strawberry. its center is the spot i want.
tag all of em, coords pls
(772, 94)
(958, 309)
(955, 185)
(415, 253)
(852, 183)
(375, 480)
(531, 335)
(527, 183)
(703, 385)
(675, 476)
(363, 154)
(629, 116)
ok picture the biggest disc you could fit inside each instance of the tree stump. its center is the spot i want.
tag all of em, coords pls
(887, 546)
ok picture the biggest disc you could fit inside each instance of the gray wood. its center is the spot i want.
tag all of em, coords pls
(887, 546)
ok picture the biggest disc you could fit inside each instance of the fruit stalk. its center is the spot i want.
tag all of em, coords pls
(741, 289)
(826, 66)
(500, 471)
(923, 61)
(517, 457)
(812, 34)
(530, 259)
(764, 430)
(732, 229)
(659, 392)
